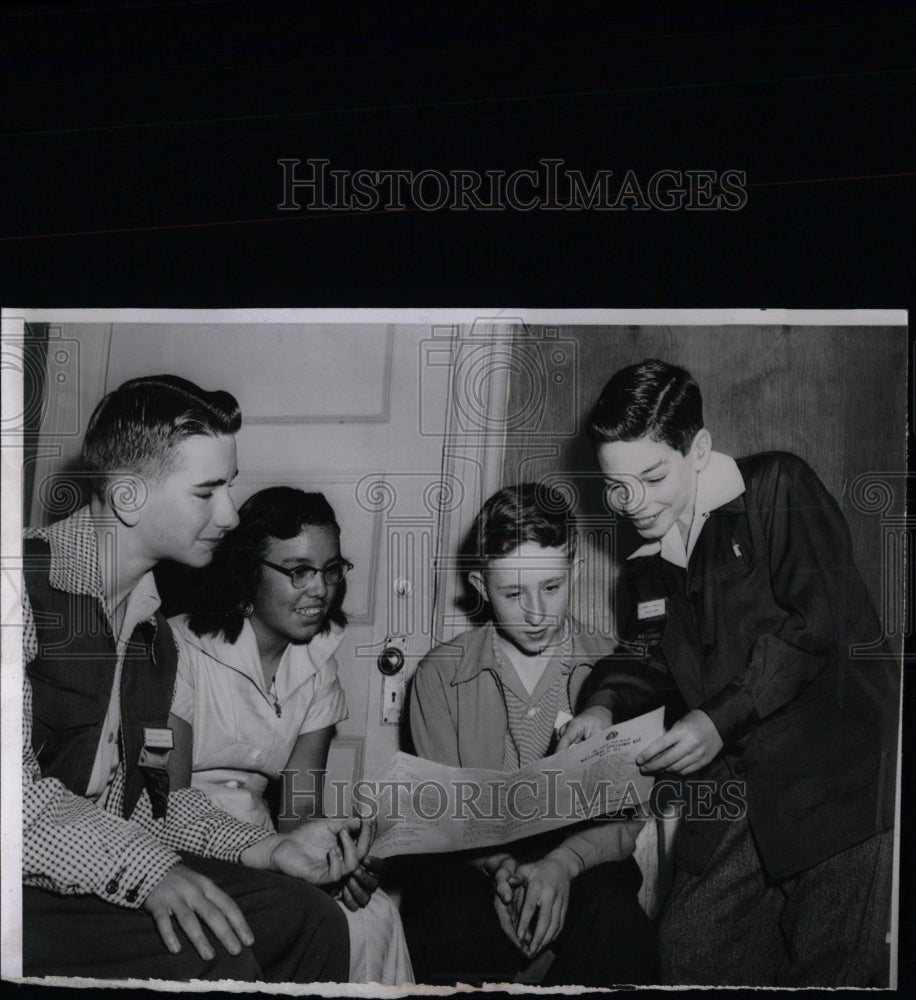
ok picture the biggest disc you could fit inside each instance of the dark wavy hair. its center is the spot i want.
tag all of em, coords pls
(652, 399)
(136, 427)
(233, 577)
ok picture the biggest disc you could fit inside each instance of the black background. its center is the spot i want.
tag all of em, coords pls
(138, 149)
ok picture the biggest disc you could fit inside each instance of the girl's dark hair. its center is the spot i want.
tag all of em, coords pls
(653, 399)
(233, 577)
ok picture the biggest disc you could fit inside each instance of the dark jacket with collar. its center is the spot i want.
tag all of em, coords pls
(758, 632)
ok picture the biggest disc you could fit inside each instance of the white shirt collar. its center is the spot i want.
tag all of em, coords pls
(719, 483)
(142, 604)
(299, 661)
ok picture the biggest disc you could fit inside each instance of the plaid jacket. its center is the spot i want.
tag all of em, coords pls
(71, 845)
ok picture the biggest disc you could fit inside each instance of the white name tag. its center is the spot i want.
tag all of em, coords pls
(158, 739)
(651, 609)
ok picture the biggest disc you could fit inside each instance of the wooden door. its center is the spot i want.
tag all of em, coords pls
(836, 396)
(358, 412)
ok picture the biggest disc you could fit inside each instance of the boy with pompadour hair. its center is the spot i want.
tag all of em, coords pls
(111, 853)
(747, 601)
(494, 697)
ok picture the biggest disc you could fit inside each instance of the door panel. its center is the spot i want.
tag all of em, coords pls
(352, 411)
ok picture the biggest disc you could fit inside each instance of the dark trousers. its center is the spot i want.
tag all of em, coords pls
(454, 936)
(825, 927)
(300, 934)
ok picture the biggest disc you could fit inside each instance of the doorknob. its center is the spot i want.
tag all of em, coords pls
(391, 663)
(390, 660)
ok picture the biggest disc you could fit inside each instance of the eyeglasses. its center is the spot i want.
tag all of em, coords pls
(302, 576)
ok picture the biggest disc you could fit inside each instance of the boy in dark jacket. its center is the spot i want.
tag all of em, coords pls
(746, 599)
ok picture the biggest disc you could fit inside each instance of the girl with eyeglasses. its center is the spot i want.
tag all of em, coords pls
(257, 684)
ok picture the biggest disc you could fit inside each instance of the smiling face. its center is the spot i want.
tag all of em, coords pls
(282, 613)
(528, 593)
(189, 509)
(652, 484)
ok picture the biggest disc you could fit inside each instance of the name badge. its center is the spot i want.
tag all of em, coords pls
(158, 739)
(651, 609)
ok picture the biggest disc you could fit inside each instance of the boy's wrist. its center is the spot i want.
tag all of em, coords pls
(260, 854)
(571, 863)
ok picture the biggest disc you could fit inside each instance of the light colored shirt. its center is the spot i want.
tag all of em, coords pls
(240, 738)
(459, 717)
(532, 715)
(142, 604)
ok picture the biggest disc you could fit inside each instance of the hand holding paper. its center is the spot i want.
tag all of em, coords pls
(691, 743)
(584, 726)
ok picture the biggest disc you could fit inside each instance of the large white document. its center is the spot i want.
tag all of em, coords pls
(425, 807)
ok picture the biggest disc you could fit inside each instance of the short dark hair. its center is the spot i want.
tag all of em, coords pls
(233, 577)
(135, 428)
(652, 399)
(527, 512)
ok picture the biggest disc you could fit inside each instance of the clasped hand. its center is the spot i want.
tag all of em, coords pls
(356, 890)
(521, 891)
(319, 851)
(352, 881)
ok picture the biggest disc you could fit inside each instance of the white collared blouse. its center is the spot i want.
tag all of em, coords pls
(244, 732)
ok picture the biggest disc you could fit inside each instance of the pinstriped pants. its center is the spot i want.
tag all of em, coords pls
(825, 927)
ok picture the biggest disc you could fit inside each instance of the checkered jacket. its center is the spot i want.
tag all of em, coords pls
(71, 845)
